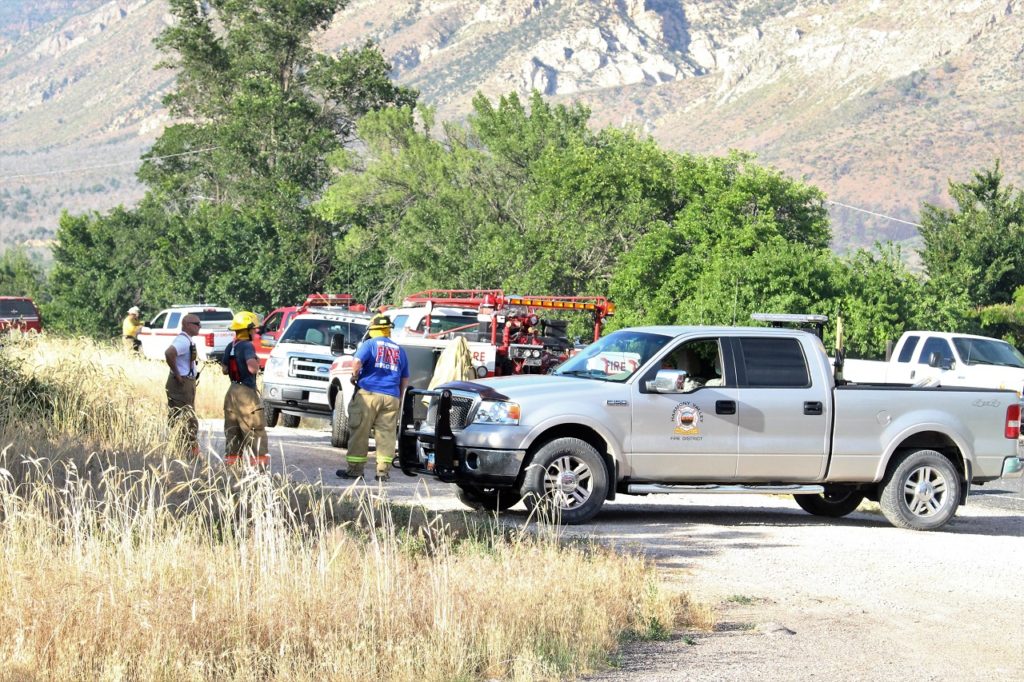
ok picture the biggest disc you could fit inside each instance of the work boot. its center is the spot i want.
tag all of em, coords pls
(349, 473)
(382, 475)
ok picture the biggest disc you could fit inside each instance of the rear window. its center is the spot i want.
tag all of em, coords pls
(907, 351)
(774, 363)
(18, 308)
(214, 315)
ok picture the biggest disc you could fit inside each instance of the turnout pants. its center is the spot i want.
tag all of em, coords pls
(245, 427)
(375, 412)
(181, 413)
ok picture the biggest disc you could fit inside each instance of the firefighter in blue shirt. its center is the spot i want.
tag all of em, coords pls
(380, 370)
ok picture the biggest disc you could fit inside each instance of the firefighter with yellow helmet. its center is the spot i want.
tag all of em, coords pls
(245, 427)
(380, 370)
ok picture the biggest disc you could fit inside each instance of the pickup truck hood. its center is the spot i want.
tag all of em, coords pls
(530, 387)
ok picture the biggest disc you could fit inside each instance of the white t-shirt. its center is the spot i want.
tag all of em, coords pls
(183, 363)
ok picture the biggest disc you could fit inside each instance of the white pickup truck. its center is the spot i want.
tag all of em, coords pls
(710, 409)
(213, 337)
(943, 359)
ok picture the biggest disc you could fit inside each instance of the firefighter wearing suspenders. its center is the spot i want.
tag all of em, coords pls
(245, 427)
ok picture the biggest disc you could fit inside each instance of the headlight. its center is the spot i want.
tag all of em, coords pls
(497, 412)
(275, 367)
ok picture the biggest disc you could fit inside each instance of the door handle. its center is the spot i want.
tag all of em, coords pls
(812, 407)
(725, 407)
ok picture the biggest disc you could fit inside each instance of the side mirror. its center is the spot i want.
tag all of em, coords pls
(668, 381)
(935, 359)
(338, 344)
(268, 342)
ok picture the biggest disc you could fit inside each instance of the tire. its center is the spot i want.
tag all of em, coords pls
(339, 423)
(921, 491)
(836, 501)
(271, 414)
(487, 499)
(290, 421)
(567, 479)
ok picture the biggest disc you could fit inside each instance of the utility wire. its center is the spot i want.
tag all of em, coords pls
(210, 149)
(104, 165)
(878, 215)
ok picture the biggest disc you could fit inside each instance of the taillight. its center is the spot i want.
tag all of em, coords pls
(208, 340)
(1013, 421)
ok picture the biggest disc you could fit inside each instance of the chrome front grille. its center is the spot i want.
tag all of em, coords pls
(461, 407)
(312, 369)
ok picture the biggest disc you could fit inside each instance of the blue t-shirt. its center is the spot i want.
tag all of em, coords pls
(242, 351)
(384, 365)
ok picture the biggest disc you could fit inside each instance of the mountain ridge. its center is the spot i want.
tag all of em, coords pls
(877, 102)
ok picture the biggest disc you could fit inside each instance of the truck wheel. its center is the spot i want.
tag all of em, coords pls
(568, 479)
(339, 423)
(271, 414)
(487, 499)
(921, 491)
(290, 421)
(836, 501)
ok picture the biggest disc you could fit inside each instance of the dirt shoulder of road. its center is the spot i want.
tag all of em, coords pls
(804, 598)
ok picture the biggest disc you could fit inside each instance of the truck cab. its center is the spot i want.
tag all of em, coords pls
(927, 358)
(297, 373)
(210, 342)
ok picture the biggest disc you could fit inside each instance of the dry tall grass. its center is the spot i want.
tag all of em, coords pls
(117, 562)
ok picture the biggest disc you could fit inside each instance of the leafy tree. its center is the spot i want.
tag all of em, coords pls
(99, 267)
(878, 299)
(744, 239)
(20, 275)
(976, 247)
(233, 182)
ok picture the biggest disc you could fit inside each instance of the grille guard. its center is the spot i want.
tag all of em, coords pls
(441, 438)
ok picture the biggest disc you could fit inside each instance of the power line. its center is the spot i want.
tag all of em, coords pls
(210, 149)
(104, 165)
(877, 215)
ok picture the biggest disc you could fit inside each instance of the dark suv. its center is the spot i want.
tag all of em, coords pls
(19, 312)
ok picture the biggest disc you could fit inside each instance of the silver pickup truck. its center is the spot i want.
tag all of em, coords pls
(710, 409)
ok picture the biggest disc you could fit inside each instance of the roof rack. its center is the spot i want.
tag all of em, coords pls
(346, 301)
(815, 323)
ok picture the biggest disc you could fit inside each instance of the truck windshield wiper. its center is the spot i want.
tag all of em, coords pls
(588, 373)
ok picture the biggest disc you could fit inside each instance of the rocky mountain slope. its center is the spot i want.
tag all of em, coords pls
(878, 102)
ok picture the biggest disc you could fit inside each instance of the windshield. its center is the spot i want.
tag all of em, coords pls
(320, 332)
(616, 357)
(988, 352)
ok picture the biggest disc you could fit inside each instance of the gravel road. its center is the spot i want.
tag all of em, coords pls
(797, 597)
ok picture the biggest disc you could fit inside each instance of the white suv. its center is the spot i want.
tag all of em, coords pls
(297, 374)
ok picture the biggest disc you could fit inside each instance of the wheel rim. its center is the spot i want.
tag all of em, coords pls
(569, 482)
(925, 491)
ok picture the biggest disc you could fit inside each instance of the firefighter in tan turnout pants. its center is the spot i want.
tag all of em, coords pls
(380, 370)
(245, 428)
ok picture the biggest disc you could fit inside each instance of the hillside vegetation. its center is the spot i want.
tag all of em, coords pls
(877, 102)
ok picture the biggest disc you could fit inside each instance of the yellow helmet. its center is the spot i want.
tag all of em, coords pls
(380, 325)
(244, 320)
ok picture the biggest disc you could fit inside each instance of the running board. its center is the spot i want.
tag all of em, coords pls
(650, 488)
